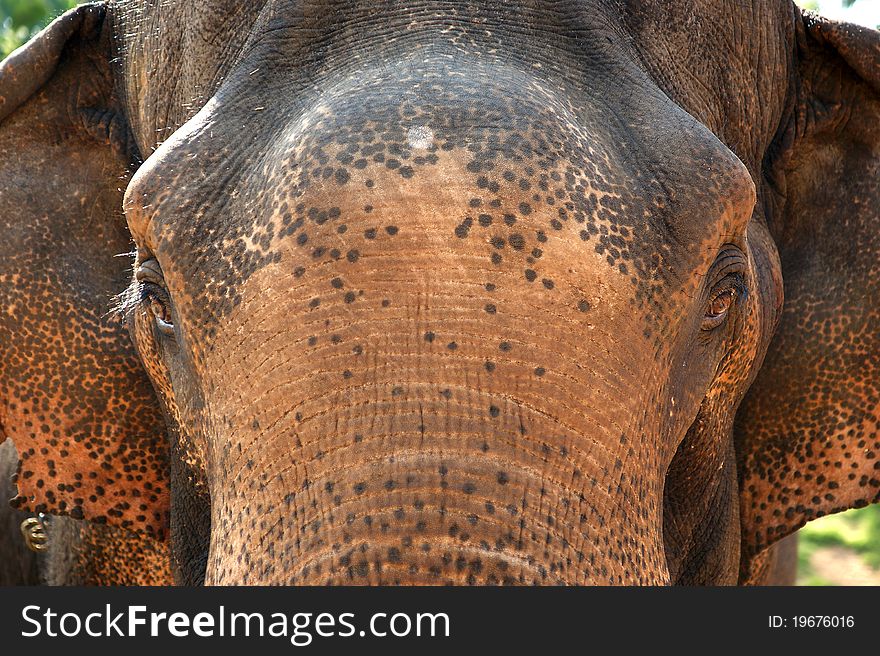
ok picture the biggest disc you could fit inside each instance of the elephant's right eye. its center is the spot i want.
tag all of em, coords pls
(153, 295)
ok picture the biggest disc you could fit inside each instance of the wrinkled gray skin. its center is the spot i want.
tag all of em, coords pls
(480, 293)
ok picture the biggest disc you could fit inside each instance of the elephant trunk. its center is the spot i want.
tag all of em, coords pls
(391, 446)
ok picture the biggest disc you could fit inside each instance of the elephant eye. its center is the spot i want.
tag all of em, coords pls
(159, 311)
(718, 308)
(729, 271)
(154, 296)
(723, 298)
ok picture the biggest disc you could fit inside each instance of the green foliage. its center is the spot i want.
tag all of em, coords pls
(21, 19)
(857, 531)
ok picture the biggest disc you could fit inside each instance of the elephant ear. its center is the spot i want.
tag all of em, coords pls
(807, 432)
(73, 396)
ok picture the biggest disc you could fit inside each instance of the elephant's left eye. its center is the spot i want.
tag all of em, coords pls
(153, 295)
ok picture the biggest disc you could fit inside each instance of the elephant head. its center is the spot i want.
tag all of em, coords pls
(74, 397)
(481, 292)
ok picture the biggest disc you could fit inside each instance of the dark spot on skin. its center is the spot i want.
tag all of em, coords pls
(490, 308)
(429, 336)
(540, 371)
(517, 242)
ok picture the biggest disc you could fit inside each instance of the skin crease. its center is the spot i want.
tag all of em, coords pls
(462, 294)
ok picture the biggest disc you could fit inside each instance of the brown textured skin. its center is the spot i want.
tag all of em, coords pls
(776, 565)
(435, 281)
(73, 396)
(809, 428)
(83, 553)
(77, 552)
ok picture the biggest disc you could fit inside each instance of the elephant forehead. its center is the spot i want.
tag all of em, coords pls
(495, 164)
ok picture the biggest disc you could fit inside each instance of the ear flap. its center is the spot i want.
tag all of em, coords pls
(73, 396)
(807, 432)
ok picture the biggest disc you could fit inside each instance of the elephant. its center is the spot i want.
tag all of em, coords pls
(443, 292)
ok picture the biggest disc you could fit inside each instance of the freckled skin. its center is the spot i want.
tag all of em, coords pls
(77, 552)
(467, 294)
(776, 565)
(815, 406)
(73, 397)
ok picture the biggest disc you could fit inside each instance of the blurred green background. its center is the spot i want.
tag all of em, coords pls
(21, 19)
(841, 549)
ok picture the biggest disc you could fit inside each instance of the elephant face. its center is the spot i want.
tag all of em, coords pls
(474, 294)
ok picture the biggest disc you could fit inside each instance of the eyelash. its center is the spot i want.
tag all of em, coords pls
(147, 291)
